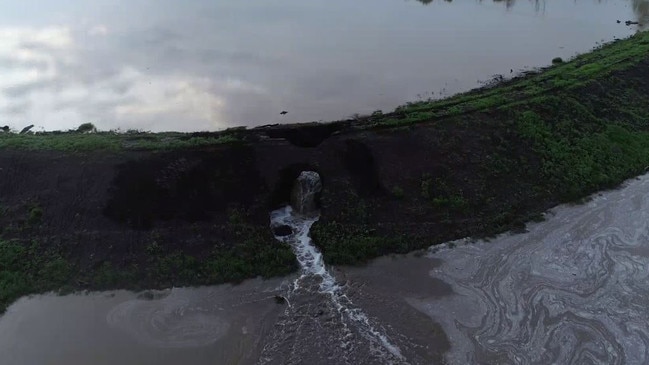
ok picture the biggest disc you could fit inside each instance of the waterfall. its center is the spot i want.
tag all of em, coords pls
(303, 196)
(300, 217)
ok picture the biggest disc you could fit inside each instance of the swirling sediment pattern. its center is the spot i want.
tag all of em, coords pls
(573, 290)
(174, 321)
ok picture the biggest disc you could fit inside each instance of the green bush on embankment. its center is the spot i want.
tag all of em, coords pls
(583, 70)
(26, 269)
(34, 268)
(74, 141)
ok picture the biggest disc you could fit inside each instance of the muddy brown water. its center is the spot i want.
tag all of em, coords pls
(208, 64)
(572, 290)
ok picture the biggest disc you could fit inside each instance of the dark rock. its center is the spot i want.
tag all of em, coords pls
(281, 231)
(283, 186)
(304, 197)
(305, 135)
(360, 163)
(280, 299)
(191, 186)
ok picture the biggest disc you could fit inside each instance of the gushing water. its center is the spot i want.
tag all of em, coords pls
(303, 195)
(314, 273)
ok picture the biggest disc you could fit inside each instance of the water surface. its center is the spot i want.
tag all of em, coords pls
(205, 65)
(574, 290)
(215, 325)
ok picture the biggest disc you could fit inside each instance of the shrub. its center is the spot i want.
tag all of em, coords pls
(87, 128)
(35, 215)
(398, 192)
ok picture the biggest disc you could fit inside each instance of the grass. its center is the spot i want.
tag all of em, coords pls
(108, 141)
(31, 267)
(576, 161)
(585, 141)
(353, 244)
(566, 75)
(35, 215)
(398, 192)
(27, 269)
(256, 253)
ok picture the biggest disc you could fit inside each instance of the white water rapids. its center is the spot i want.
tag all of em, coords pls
(313, 267)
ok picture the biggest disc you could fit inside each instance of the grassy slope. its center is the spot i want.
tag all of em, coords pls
(26, 269)
(563, 134)
(585, 123)
(579, 72)
(110, 141)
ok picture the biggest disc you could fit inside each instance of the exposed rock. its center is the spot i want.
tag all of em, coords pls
(304, 135)
(305, 193)
(281, 231)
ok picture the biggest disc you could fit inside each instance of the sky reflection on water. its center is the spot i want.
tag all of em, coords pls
(206, 65)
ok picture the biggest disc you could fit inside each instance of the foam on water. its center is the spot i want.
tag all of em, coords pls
(573, 290)
(312, 266)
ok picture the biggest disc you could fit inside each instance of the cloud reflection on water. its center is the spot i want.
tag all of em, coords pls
(203, 65)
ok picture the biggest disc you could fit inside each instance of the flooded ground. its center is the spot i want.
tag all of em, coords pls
(573, 290)
(216, 325)
(205, 65)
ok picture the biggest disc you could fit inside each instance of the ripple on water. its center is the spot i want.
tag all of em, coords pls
(171, 321)
(573, 290)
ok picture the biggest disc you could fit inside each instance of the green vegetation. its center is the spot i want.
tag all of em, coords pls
(584, 123)
(256, 253)
(35, 214)
(582, 153)
(351, 244)
(86, 140)
(577, 73)
(27, 268)
(442, 195)
(398, 192)
(86, 128)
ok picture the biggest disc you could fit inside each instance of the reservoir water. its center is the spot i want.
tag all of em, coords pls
(164, 65)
